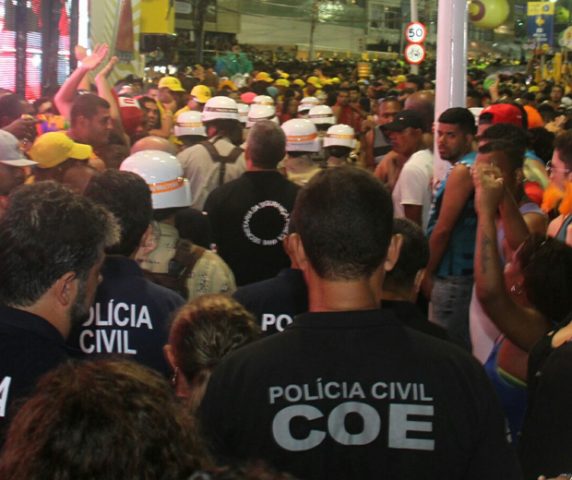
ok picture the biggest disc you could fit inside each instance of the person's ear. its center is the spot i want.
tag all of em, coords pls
(170, 356)
(297, 251)
(247, 155)
(393, 252)
(419, 276)
(65, 289)
(4, 201)
(81, 121)
(147, 244)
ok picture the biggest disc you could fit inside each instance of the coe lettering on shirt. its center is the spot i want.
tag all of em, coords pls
(278, 321)
(102, 337)
(354, 421)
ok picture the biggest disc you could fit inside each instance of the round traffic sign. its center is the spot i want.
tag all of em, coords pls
(414, 53)
(415, 32)
(566, 38)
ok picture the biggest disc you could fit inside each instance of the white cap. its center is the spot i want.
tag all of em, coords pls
(263, 100)
(220, 108)
(321, 114)
(261, 112)
(340, 135)
(164, 175)
(10, 153)
(301, 136)
(189, 123)
(307, 103)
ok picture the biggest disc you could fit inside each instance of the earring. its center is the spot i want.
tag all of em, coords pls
(516, 289)
(175, 378)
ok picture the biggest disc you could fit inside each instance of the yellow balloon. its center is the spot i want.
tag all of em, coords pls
(488, 13)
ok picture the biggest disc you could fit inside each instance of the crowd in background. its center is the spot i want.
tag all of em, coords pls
(338, 281)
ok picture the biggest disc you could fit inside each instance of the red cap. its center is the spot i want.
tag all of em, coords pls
(131, 114)
(247, 97)
(501, 113)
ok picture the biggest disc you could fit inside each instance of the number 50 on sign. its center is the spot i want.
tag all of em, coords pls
(415, 32)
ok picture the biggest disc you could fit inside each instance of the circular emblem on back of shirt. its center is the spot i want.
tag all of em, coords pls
(266, 223)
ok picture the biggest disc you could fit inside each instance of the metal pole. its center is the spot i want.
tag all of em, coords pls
(313, 22)
(451, 86)
(414, 18)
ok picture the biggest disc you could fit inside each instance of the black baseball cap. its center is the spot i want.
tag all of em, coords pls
(403, 120)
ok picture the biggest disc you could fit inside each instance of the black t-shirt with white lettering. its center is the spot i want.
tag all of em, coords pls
(130, 317)
(356, 395)
(276, 301)
(29, 347)
(249, 218)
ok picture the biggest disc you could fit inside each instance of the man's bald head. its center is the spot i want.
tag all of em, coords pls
(423, 102)
(154, 143)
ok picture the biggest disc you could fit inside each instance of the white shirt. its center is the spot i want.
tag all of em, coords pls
(413, 186)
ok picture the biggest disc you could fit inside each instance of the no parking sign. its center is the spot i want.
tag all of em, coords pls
(415, 34)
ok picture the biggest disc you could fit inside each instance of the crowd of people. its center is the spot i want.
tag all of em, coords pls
(270, 277)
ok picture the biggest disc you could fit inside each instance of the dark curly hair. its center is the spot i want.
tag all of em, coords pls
(102, 420)
(546, 265)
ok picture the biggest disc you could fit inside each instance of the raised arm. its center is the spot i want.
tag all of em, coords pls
(104, 89)
(523, 326)
(68, 91)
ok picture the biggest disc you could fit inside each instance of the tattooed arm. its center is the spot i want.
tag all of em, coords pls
(522, 325)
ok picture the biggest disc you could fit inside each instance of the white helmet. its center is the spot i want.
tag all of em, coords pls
(261, 112)
(321, 114)
(262, 100)
(189, 123)
(301, 136)
(164, 175)
(307, 103)
(242, 112)
(220, 108)
(340, 135)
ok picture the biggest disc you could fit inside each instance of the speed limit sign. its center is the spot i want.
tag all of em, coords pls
(415, 32)
(414, 53)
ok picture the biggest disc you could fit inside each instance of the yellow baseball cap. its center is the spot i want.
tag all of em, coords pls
(227, 84)
(202, 93)
(263, 77)
(172, 83)
(54, 148)
(282, 82)
(299, 82)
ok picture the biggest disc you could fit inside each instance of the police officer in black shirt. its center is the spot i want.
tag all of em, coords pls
(347, 391)
(51, 250)
(130, 313)
(249, 216)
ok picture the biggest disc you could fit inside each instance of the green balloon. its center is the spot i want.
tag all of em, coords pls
(562, 15)
(489, 81)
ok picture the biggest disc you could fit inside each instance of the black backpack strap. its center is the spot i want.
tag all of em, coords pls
(222, 159)
(213, 152)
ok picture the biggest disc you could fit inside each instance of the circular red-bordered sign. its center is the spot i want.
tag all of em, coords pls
(414, 53)
(415, 32)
